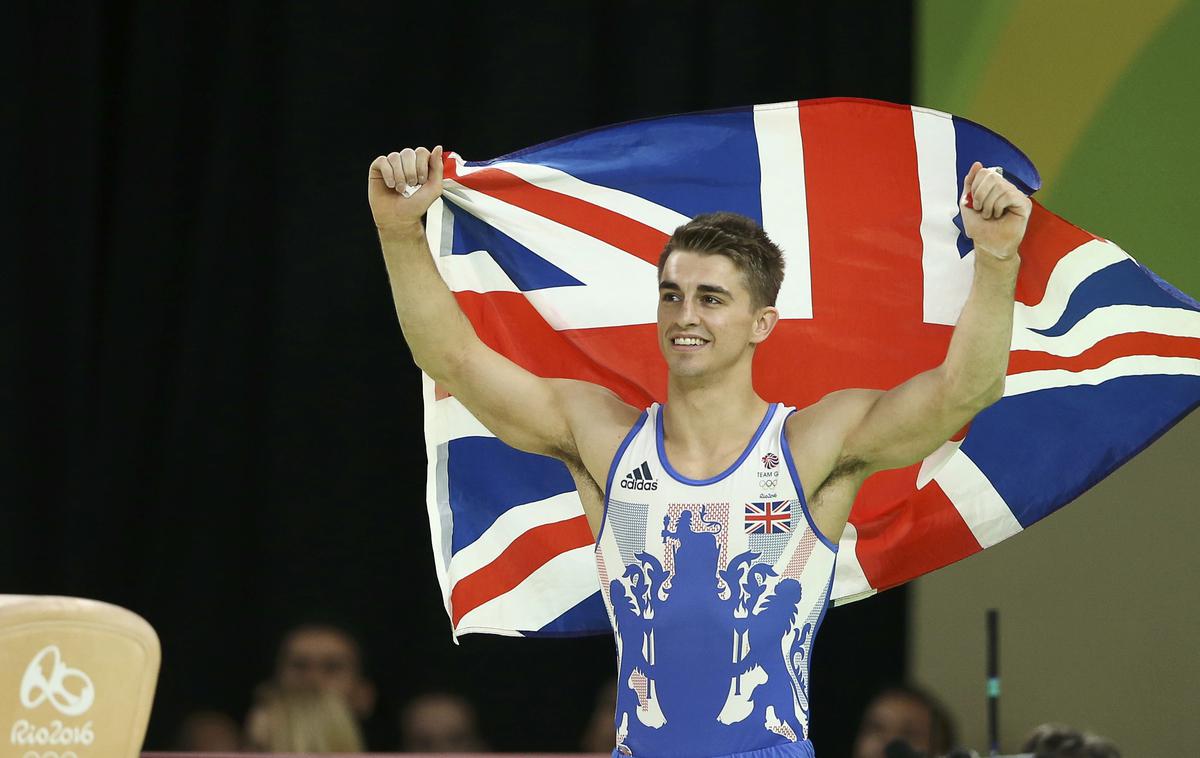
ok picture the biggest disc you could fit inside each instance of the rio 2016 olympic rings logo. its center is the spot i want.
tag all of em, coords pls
(37, 687)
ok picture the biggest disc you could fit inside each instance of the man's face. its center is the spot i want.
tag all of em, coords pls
(894, 717)
(209, 732)
(706, 317)
(321, 659)
(439, 724)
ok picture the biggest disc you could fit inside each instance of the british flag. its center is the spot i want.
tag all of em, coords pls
(551, 252)
(769, 518)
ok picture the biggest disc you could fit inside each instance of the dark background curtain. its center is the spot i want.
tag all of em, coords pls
(210, 415)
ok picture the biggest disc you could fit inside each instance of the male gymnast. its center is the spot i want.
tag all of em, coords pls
(715, 613)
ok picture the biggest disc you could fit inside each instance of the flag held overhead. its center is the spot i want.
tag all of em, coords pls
(552, 251)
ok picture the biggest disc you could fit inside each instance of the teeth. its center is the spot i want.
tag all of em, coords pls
(688, 341)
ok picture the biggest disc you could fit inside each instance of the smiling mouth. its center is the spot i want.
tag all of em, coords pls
(688, 343)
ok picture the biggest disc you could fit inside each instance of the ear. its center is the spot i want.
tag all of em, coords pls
(764, 324)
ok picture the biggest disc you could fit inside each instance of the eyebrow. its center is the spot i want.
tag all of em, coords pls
(707, 288)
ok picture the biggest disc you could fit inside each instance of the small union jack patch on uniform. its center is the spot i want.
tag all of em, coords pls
(769, 518)
(770, 460)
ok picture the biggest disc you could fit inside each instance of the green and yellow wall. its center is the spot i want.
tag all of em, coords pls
(1104, 96)
(1101, 602)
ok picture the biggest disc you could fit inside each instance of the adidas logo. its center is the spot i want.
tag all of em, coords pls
(639, 479)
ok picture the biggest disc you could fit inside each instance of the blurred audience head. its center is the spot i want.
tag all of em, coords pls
(302, 721)
(600, 734)
(208, 732)
(902, 712)
(439, 722)
(319, 655)
(1059, 741)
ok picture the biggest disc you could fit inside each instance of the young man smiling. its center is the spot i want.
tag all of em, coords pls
(714, 614)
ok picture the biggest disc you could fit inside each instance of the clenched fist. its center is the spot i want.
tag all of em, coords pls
(387, 179)
(995, 213)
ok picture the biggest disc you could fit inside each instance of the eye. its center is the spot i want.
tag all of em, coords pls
(712, 299)
(669, 297)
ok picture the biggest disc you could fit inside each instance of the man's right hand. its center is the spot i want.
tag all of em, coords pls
(387, 178)
(579, 423)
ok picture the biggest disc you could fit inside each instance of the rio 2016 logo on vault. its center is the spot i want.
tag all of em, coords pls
(48, 679)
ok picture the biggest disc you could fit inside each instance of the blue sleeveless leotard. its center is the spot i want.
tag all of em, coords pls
(715, 589)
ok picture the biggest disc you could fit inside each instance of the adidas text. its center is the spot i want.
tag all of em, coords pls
(631, 484)
(639, 479)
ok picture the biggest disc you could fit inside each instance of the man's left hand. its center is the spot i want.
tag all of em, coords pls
(998, 212)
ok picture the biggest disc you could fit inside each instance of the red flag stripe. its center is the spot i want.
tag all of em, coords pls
(912, 537)
(1048, 239)
(614, 228)
(510, 325)
(1106, 350)
(522, 557)
(864, 217)
(861, 175)
(625, 359)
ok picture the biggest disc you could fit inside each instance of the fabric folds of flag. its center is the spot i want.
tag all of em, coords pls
(552, 252)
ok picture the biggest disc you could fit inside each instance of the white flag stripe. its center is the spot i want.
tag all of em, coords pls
(509, 526)
(1070, 271)
(455, 421)
(474, 272)
(1130, 365)
(547, 236)
(934, 462)
(977, 501)
(1110, 321)
(785, 202)
(441, 556)
(433, 225)
(946, 275)
(603, 268)
(558, 585)
(849, 581)
(637, 208)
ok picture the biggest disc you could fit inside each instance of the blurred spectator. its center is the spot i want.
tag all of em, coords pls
(325, 656)
(906, 713)
(302, 721)
(600, 736)
(208, 732)
(439, 722)
(1058, 741)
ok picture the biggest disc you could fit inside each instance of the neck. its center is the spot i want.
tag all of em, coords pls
(705, 411)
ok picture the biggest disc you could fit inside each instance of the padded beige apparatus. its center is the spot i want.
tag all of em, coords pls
(77, 678)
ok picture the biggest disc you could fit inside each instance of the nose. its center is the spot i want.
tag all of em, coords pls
(687, 314)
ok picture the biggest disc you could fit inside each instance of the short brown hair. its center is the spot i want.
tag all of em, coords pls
(741, 240)
(942, 731)
(1060, 741)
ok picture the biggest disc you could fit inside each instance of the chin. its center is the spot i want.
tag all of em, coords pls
(688, 368)
(689, 372)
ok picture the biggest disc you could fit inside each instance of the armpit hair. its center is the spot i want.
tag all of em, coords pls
(845, 467)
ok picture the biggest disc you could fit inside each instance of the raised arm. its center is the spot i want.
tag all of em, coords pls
(902, 426)
(526, 411)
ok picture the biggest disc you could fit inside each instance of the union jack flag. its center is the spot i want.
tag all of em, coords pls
(552, 254)
(769, 518)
